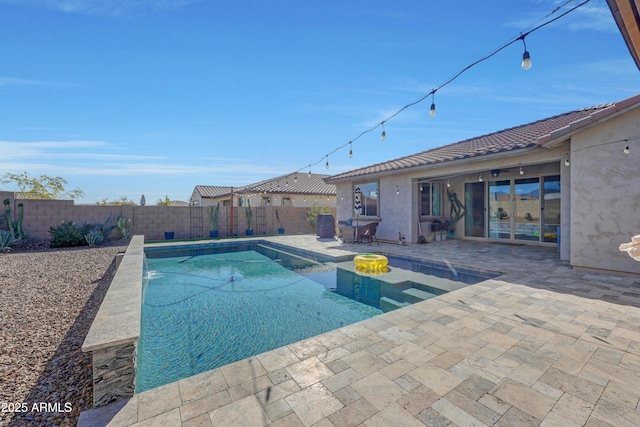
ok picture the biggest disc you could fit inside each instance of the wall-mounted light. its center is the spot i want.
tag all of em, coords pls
(495, 173)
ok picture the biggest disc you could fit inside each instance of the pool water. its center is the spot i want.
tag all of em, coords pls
(206, 307)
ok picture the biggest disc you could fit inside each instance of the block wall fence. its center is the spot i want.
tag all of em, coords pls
(153, 221)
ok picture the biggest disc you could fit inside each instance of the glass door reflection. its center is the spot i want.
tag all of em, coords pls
(500, 209)
(526, 205)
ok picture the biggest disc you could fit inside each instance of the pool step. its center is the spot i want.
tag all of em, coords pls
(388, 304)
(418, 294)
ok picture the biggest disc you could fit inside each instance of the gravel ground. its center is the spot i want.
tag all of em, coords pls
(48, 299)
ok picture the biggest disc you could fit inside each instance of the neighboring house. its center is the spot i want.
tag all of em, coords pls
(298, 190)
(570, 180)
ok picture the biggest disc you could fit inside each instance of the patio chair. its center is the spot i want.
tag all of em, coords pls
(340, 231)
(368, 233)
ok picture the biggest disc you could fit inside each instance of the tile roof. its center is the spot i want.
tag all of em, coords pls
(533, 134)
(297, 183)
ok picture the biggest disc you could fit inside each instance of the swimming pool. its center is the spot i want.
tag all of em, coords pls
(205, 306)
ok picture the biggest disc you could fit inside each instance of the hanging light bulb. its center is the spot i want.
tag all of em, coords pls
(286, 183)
(295, 178)
(526, 58)
(626, 150)
(326, 165)
(421, 188)
(432, 110)
(309, 172)
(566, 160)
(384, 134)
(342, 196)
(448, 183)
(350, 150)
(521, 171)
(480, 178)
(397, 190)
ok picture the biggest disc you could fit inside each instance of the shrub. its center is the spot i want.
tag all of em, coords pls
(68, 234)
(6, 239)
(94, 237)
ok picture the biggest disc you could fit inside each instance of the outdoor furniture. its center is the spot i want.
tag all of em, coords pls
(367, 232)
(340, 225)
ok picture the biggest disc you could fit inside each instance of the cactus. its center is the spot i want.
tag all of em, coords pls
(213, 217)
(249, 213)
(15, 227)
(124, 227)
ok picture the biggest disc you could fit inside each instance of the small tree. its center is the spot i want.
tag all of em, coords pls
(42, 187)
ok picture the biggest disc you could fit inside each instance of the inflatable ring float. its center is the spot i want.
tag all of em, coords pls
(371, 263)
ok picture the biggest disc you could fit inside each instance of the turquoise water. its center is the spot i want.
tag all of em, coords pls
(205, 311)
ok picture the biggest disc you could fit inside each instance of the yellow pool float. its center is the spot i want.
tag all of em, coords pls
(371, 263)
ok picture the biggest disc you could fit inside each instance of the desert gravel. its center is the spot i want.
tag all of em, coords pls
(48, 299)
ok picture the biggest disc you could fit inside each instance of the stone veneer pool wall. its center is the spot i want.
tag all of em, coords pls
(114, 334)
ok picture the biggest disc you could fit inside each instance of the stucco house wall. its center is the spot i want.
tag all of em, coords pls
(605, 194)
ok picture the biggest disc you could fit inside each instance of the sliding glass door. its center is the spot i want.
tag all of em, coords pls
(526, 205)
(474, 201)
(500, 209)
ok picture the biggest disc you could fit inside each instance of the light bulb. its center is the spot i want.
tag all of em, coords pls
(526, 61)
(432, 111)
(448, 184)
(383, 136)
(326, 165)
(350, 151)
(480, 178)
(521, 171)
(397, 190)
(421, 188)
(626, 150)
(566, 160)
(309, 173)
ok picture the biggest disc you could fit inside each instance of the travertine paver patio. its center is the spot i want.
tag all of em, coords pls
(543, 344)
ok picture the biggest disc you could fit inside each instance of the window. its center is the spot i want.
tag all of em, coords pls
(366, 199)
(266, 201)
(430, 198)
(286, 201)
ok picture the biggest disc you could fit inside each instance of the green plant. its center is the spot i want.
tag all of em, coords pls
(15, 227)
(105, 229)
(124, 227)
(249, 213)
(94, 237)
(6, 239)
(213, 217)
(68, 234)
(314, 211)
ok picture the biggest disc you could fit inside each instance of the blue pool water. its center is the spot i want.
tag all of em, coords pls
(205, 307)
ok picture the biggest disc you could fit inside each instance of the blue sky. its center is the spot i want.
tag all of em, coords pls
(153, 97)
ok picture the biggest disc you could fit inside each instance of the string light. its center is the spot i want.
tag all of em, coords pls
(432, 110)
(521, 171)
(421, 188)
(326, 165)
(350, 150)
(566, 160)
(448, 183)
(526, 65)
(526, 58)
(397, 190)
(295, 178)
(480, 178)
(626, 150)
